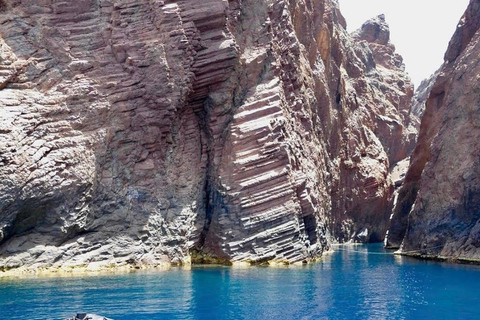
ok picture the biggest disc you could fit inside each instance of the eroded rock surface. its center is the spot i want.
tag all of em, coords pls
(437, 213)
(146, 132)
(420, 99)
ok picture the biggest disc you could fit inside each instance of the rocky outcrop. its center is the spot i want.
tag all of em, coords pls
(88, 316)
(399, 169)
(382, 96)
(437, 213)
(420, 99)
(392, 90)
(148, 132)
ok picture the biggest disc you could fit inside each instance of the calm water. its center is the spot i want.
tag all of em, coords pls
(357, 282)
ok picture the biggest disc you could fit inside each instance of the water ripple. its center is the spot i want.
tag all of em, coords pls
(360, 282)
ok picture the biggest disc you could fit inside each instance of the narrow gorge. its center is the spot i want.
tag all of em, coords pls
(143, 133)
(438, 209)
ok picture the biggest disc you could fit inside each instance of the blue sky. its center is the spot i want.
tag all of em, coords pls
(419, 29)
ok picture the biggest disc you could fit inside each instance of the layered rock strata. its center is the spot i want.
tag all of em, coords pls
(437, 213)
(147, 132)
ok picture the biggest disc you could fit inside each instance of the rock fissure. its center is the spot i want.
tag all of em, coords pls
(436, 199)
(208, 132)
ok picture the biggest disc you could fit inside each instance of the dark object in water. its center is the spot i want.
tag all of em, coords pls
(88, 316)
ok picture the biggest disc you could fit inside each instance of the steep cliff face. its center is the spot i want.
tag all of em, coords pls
(149, 132)
(437, 213)
(379, 104)
(420, 99)
(392, 91)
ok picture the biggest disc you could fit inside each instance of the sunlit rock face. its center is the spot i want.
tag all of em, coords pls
(438, 210)
(147, 132)
(420, 98)
(392, 91)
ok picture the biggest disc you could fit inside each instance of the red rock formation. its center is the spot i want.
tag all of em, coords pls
(392, 90)
(437, 213)
(141, 132)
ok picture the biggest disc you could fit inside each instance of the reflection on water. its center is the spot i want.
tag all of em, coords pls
(361, 282)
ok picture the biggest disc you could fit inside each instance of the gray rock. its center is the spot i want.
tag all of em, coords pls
(147, 133)
(88, 316)
(437, 214)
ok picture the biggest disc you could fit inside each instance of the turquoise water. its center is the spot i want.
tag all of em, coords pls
(356, 282)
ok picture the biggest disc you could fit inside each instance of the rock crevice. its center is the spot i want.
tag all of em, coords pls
(436, 215)
(148, 132)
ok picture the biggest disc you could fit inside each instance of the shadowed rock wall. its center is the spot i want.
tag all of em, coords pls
(438, 209)
(149, 132)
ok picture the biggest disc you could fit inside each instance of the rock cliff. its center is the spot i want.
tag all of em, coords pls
(420, 99)
(437, 212)
(149, 132)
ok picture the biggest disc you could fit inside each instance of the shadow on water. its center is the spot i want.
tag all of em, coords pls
(358, 281)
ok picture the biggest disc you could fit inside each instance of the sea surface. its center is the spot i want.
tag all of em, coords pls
(355, 282)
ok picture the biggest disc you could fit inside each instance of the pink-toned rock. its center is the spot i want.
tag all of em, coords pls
(392, 90)
(140, 132)
(437, 212)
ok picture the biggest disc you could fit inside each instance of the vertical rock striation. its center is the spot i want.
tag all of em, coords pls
(376, 132)
(437, 213)
(151, 132)
(420, 99)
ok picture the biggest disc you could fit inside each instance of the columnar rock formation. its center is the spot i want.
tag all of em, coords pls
(145, 132)
(438, 209)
